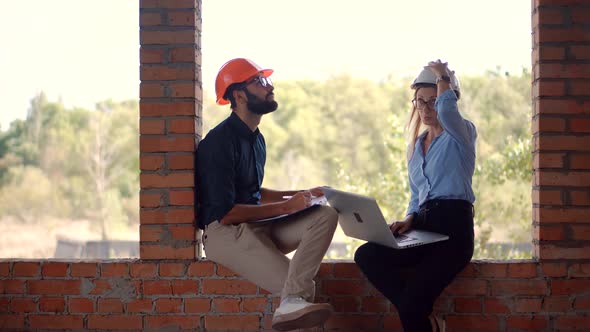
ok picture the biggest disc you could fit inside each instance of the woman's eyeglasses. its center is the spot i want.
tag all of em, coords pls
(421, 103)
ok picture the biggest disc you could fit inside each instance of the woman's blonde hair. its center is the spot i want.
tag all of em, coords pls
(414, 123)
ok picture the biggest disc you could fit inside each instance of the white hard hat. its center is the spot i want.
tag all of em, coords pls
(426, 76)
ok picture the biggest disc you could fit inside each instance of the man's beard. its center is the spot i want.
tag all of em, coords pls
(260, 106)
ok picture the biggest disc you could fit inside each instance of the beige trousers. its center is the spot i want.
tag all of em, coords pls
(257, 251)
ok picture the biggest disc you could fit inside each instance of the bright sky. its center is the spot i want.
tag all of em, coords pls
(84, 51)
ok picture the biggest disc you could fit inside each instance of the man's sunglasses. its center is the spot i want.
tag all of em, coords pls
(260, 80)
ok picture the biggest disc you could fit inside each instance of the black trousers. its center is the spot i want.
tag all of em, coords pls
(432, 267)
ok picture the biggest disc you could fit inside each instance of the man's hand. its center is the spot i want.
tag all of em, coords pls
(299, 201)
(317, 191)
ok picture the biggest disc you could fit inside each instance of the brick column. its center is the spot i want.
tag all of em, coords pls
(561, 129)
(170, 126)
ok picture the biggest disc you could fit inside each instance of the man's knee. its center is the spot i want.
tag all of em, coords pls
(329, 216)
(329, 212)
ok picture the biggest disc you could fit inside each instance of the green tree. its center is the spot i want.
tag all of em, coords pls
(29, 196)
(85, 163)
(103, 151)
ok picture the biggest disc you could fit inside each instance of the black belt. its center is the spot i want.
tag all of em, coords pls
(446, 203)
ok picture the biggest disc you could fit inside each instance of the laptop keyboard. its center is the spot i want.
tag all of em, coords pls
(401, 238)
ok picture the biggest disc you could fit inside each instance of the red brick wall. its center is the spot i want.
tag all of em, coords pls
(144, 294)
(561, 128)
(170, 125)
(168, 289)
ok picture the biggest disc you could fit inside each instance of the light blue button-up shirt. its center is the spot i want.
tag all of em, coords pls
(447, 169)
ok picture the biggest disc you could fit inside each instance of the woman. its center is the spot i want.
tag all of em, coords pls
(441, 161)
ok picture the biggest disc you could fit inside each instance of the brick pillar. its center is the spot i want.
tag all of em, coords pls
(170, 126)
(561, 129)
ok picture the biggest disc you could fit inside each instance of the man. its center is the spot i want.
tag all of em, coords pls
(230, 170)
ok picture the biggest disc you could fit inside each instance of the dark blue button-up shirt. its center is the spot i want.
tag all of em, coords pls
(230, 168)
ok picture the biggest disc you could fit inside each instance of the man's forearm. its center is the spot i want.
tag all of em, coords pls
(245, 212)
(272, 196)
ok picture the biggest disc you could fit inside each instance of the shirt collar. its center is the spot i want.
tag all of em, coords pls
(242, 128)
(421, 136)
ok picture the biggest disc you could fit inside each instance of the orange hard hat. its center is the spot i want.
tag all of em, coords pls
(236, 71)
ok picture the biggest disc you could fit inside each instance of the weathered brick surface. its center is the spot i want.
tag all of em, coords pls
(141, 295)
(561, 130)
(170, 106)
(167, 289)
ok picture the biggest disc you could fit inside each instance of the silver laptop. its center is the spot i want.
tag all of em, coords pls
(360, 217)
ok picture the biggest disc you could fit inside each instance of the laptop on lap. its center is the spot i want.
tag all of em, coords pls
(360, 217)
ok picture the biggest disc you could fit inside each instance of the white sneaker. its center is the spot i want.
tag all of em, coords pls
(296, 313)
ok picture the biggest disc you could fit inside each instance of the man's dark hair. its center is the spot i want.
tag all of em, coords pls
(229, 93)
